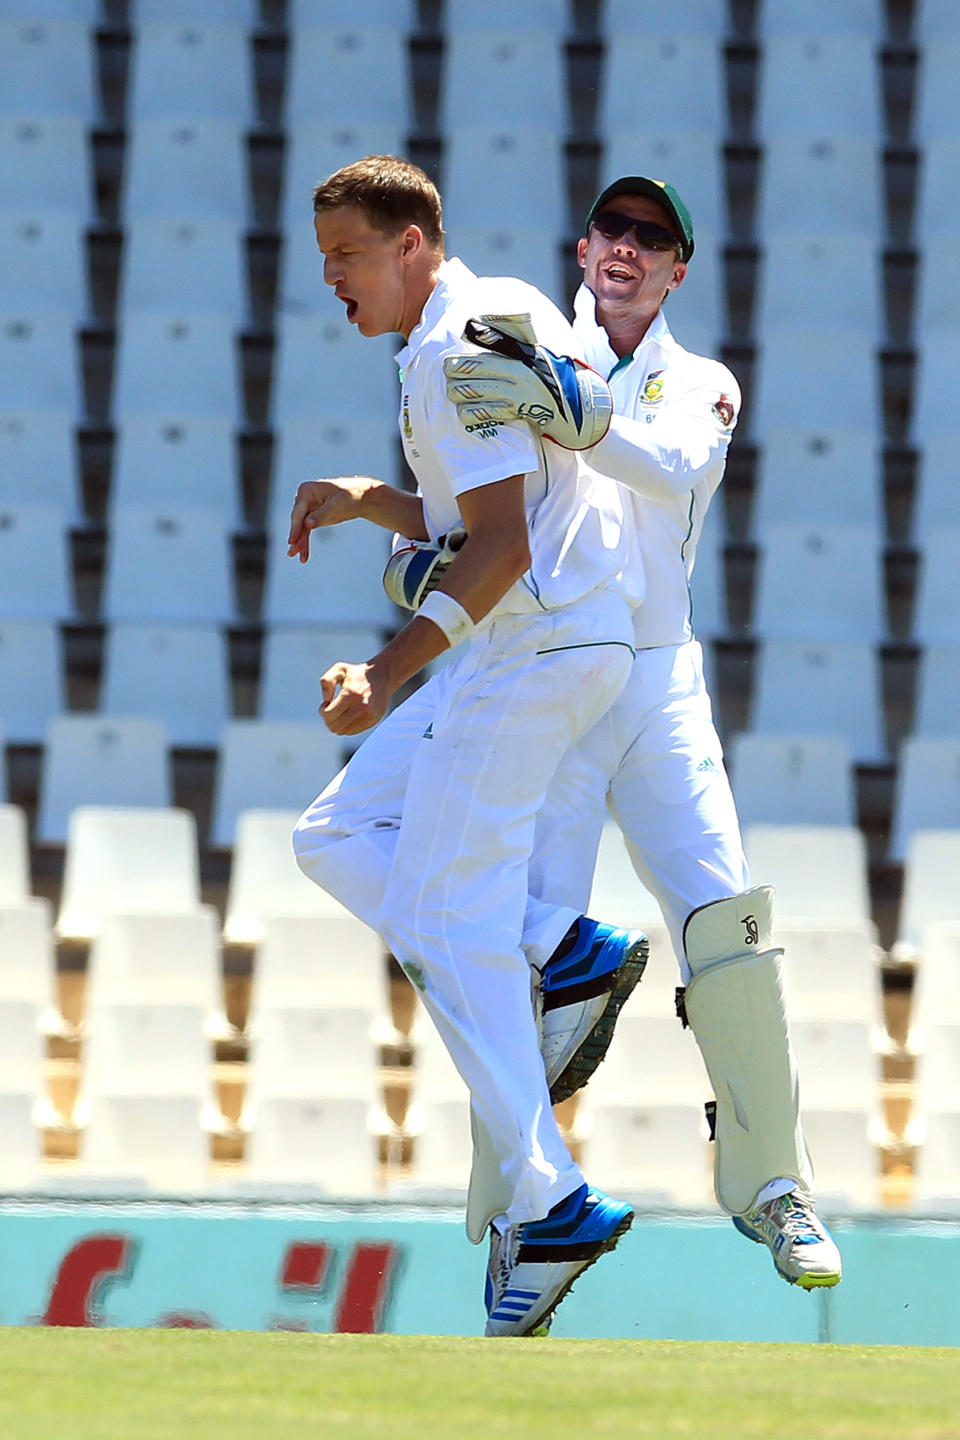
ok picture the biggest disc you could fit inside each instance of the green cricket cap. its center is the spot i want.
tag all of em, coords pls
(658, 190)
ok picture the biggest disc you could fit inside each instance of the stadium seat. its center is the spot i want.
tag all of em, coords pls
(340, 585)
(137, 1047)
(14, 856)
(937, 305)
(832, 974)
(160, 1142)
(185, 364)
(270, 765)
(819, 84)
(184, 266)
(617, 894)
(936, 503)
(692, 159)
(651, 1061)
(167, 565)
(188, 460)
(20, 1145)
(838, 1063)
(935, 211)
(934, 20)
(329, 76)
(936, 618)
(399, 15)
(182, 69)
(696, 312)
(442, 1145)
(818, 873)
(326, 370)
(831, 17)
(28, 965)
(929, 889)
(528, 162)
(708, 588)
(47, 70)
(336, 962)
(655, 1152)
(128, 862)
(497, 15)
(792, 780)
(938, 685)
(937, 1074)
(934, 413)
(840, 178)
(218, 12)
(29, 591)
(817, 583)
(700, 16)
(845, 1146)
(936, 1136)
(825, 404)
(315, 1050)
(160, 958)
(45, 163)
(177, 674)
(42, 263)
(926, 789)
(522, 74)
(32, 688)
(825, 279)
(87, 11)
(37, 452)
(40, 360)
(936, 116)
(266, 882)
(22, 1049)
(315, 149)
(936, 987)
(834, 474)
(294, 658)
(194, 168)
(530, 254)
(306, 448)
(835, 688)
(687, 64)
(327, 1144)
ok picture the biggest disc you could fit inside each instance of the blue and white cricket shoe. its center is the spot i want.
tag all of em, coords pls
(803, 1249)
(581, 996)
(533, 1266)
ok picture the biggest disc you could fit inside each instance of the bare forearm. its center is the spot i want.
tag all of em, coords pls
(394, 509)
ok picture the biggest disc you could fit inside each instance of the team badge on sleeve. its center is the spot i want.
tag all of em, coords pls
(723, 409)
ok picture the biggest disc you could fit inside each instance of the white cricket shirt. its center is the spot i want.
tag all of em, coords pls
(579, 538)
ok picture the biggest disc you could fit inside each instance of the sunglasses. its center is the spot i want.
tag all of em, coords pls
(647, 234)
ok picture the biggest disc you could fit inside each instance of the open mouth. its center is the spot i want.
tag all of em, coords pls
(619, 274)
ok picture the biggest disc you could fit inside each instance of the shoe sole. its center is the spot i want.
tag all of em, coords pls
(585, 1060)
(540, 1328)
(806, 1282)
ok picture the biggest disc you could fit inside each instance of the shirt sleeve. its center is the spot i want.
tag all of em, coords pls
(482, 455)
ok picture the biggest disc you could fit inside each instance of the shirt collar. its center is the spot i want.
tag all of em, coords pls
(450, 277)
(598, 349)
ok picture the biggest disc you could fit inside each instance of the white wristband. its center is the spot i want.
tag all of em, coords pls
(448, 615)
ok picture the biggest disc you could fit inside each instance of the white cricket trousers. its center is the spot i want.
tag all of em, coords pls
(427, 834)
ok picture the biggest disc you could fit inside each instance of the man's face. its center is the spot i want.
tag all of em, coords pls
(621, 273)
(366, 269)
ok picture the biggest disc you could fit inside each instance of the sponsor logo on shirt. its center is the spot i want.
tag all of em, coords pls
(486, 431)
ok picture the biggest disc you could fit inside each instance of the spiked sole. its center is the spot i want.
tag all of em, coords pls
(540, 1327)
(584, 1061)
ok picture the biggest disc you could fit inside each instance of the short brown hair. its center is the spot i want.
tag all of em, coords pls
(391, 192)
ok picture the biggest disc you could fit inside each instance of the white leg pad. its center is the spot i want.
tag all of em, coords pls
(735, 1008)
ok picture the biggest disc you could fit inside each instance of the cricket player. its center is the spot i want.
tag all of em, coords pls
(656, 754)
(427, 833)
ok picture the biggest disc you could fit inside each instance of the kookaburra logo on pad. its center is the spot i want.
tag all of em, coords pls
(753, 934)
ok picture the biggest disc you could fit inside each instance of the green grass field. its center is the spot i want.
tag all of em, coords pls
(210, 1385)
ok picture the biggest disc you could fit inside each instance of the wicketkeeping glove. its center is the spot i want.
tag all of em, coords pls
(517, 379)
(416, 569)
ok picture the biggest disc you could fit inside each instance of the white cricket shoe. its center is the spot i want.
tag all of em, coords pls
(803, 1249)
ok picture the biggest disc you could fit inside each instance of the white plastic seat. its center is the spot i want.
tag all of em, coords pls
(821, 279)
(687, 64)
(45, 163)
(21, 1048)
(327, 1143)
(338, 963)
(831, 974)
(20, 1147)
(39, 357)
(340, 585)
(937, 305)
(651, 1060)
(180, 68)
(28, 590)
(936, 617)
(819, 82)
(936, 987)
(497, 15)
(817, 583)
(307, 448)
(186, 461)
(838, 1064)
(938, 685)
(315, 149)
(442, 1143)
(929, 888)
(792, 780)
(31, 679)
(28, 965)
(184, 266)
(127, 862)
(159, 959)
(294, 657)
(168, 565)
(840, 17)
(936, 1133)
(186, 167)
(160, 1141)
(177, 674)
(835, 687)
(617, 894)
(935, 212)
(926, 790)
(87, 11)
(708, 588)
(351, 75)
(839, 176)
(659, 1152)
(313, 1050)
(845, 1144)
(934, 20)
(934, 412)
(786, 353)
(325, 369)
(37, 451)
(266, 882)
(529, 254)
(434, 1077)
(145, 1048)
(937, 1072)
(177, 364)
(696, 312)
(47, 69)
(936, 504)
(387, 14)
(14, 856)
(834, 474)
(523, 73)
(528, 162)
(701, 16)
(42, 263)
(936, 115)
(691, 159)
(270, 765)
(818, 873)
